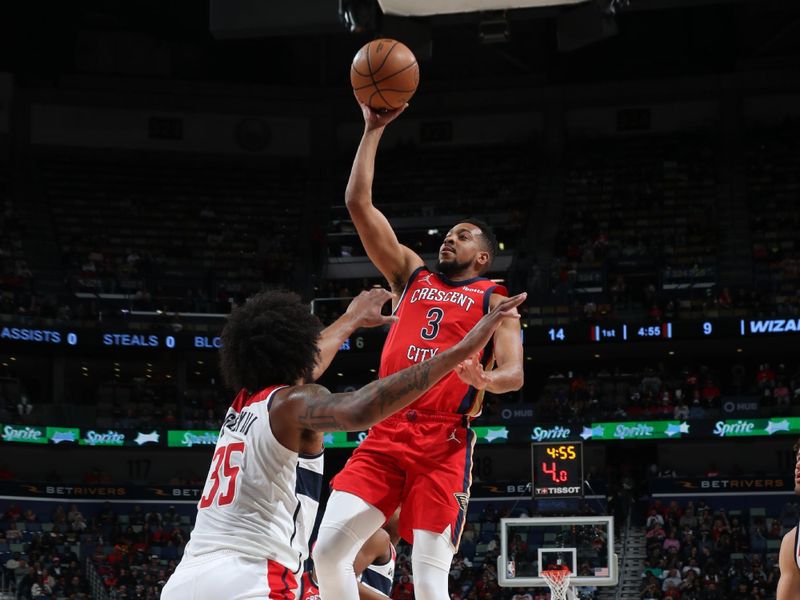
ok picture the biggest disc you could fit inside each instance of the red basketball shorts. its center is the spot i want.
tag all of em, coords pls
(422, 461)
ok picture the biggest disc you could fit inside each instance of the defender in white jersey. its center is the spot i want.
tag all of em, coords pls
(260, 498)
(789, 558)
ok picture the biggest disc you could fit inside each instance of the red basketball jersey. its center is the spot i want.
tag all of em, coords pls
(308, 588)
(434, 314)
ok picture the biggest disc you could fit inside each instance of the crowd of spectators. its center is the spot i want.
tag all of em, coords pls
(696, 552)
(659, 392)
(638, 234)
(142, 406)
(48, 555)
(773, 185)
(638, 209)
(15, 274)
(138, 234)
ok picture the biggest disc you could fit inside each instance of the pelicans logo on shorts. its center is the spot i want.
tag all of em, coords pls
(462, 499)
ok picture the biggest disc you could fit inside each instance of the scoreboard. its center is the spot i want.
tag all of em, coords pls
(557, 470)
(625, 331)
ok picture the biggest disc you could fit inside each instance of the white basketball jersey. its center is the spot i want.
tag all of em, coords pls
(797, 545)
(380, 577)
(260, 498)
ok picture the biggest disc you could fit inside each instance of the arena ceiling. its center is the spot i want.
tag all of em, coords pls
(305, 43)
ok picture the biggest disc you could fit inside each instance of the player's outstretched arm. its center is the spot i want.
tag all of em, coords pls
(508, 376)
(314, 407)
(789, 582)
(395, 261)
(363, 311)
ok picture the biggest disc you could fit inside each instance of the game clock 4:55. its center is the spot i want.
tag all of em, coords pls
(557, 470)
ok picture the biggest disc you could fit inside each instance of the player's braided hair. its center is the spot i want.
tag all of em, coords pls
(270, 339)
(487, 235)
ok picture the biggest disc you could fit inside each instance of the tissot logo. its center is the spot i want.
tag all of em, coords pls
(544, 491)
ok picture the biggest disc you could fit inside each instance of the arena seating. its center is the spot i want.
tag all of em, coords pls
(116, 219)
(695, 550)
(638, 221)
(424, 191)
(773, 189)
(127, 554)
(15, 274)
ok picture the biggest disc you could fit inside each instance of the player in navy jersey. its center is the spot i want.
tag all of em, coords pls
(374, 566)
(260, 498)
(421, 457)
(789, 557)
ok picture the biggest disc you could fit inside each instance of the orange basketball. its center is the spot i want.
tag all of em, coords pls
(384, 74)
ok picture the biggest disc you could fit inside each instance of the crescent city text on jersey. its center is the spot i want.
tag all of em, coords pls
(417, 354)
(436, 295)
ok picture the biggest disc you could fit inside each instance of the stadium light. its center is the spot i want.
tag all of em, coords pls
(358, 16)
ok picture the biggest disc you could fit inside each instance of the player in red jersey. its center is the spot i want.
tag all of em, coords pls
(261, 495)
(420, 457)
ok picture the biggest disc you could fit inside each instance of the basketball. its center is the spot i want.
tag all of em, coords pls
(384, 74)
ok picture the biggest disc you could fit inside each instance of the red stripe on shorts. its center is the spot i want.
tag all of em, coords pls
(281, 581)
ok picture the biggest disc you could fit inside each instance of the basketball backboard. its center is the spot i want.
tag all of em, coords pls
(531, 544)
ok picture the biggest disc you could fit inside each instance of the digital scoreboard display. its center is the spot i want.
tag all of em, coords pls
(557, 470)
(623, 331)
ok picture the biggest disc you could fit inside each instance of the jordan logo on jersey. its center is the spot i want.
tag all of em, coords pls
(427, 278)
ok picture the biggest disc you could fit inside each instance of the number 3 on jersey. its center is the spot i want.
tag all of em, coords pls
(431, 330)
(223, 458)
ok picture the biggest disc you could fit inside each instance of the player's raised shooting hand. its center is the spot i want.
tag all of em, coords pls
(480, 335)
(376, 119)
(365, 309)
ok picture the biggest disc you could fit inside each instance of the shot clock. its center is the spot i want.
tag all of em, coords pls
(557, 470)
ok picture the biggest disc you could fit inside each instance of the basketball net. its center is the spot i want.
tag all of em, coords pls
(558, 582)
